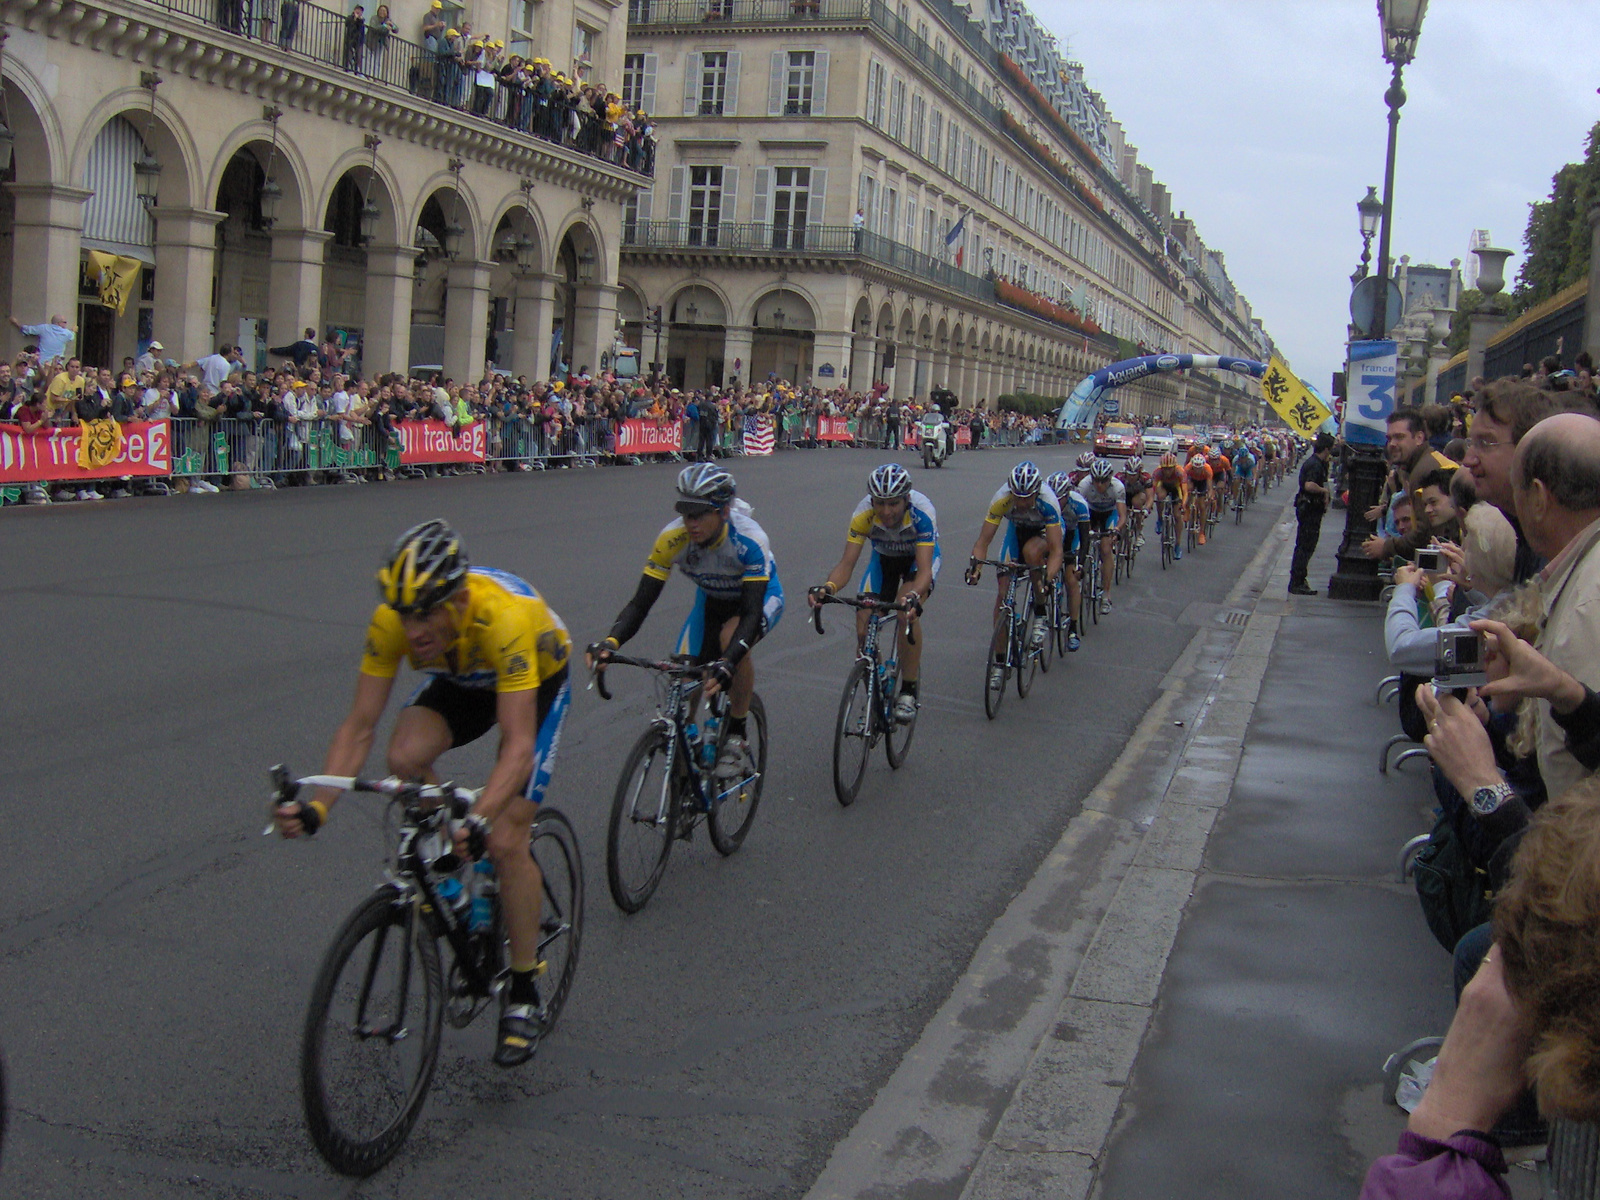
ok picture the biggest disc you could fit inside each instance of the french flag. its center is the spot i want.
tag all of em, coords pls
(955, 235)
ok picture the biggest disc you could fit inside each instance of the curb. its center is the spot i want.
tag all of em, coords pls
(1014, 1084)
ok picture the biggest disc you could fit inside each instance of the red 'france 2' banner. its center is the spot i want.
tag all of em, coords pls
(641, 436)
(52, 455)
(423, 442)
(833, 429)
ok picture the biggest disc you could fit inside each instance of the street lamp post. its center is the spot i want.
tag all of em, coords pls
(1356, 577)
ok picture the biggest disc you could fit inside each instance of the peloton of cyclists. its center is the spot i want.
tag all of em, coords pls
(1170, 483)
(903, 529)
(1108, 511)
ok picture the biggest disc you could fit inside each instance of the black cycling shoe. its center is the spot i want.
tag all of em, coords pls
(521, 1027)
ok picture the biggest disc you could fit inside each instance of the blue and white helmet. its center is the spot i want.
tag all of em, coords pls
(1086, 460)
(705, 483)
(1025, 479)
(1102, 469)
(889, 482)
(1060, 483)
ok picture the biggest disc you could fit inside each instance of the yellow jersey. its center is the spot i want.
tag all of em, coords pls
(508, 640)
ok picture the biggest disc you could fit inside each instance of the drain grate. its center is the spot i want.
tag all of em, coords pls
(1234, 618)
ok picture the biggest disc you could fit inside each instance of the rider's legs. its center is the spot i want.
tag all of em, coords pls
(744, 676)
(420, 736)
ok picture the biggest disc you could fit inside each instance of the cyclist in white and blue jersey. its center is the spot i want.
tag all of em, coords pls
(1034, 535)
(903, 530)
(1075, 524)
(1108, 509)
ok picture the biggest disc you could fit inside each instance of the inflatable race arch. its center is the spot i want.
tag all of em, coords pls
(1091, 395)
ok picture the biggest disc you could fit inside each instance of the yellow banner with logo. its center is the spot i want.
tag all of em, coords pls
(99, 443)
(1292, 400)
(118, 276)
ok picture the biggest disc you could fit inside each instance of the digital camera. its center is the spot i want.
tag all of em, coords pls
(1431, 560)
(1458, 659)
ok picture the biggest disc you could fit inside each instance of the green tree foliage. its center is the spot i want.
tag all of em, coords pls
(1557, 237)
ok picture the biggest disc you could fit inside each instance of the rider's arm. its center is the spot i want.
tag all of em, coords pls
(637, 609)
(1054, 542)
(923, 584)
(752, 598)
(840, 575)
(986, 532)
(352, 742)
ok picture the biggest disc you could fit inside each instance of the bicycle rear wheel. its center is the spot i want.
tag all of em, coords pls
(995, 672)
(1060, 611)
(644, 818)
(1092, 594)
(371, 1036)
(1049, 634)
(554, 847)
(853, 734)
(733, 807)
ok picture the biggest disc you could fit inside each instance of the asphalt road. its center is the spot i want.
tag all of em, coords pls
(156, 952)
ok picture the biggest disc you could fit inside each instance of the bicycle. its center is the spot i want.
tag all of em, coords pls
(1010, 628)
(668, 783)
(1239, 503)
(1089, 570)
(1061, 611)
(370, 1042)
(866, 710)
(1169, 535)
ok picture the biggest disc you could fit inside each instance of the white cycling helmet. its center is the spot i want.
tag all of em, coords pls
(1060, 483)
(889, 482)
(1025, 479)
(1086, 460)
(1102, 469)
(704, 484)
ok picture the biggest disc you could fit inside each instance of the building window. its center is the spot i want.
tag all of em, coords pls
(889, 213)
(585, 47)
(919, 113)
(630, 219)
(897, 110)
(952, 148)
(935, 135)
(705, 205)
(713, 83)
(801, 78)
(520, 37)
(791, 204)
(867, 201)
(632, 81)
(877, 94)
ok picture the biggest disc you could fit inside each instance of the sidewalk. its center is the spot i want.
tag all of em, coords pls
(1211, 1002)
(1300, 963)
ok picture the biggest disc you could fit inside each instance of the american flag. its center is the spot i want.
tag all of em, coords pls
(758, 434)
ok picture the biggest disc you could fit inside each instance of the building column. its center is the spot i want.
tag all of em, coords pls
(836, 350)
(466, 319)
(44, 280)
(386, 333)
(941, 370)
(294, 287)
(738, 344)
(535, 323)
(1481, 326)
(596, 322)
(186, 253)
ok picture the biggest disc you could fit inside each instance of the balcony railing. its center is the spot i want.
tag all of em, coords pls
(812, 240)
(325, 36)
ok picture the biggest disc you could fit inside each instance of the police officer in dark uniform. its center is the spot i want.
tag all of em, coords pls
(1310, 502)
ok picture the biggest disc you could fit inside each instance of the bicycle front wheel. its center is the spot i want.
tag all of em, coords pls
(1049, 633)
(734, 806)
(1022, 654)
(852, 734)
(644, 817)
(554, 847)
(371, 1037)
(994, 671)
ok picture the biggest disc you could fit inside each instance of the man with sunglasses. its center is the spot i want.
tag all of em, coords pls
(738, 599)
(903, 528)
(495, 655)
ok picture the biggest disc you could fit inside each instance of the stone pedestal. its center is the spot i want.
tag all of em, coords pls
(386, 331)
(737, 345)
(1482, 326)
(596, 330)
(535, 322)
(466, 320)
(294, 296)
(1356, 577)
(186, 250)
(834, 350)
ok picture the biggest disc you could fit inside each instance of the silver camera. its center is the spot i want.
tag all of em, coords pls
(1431, 560)
(1458, 659)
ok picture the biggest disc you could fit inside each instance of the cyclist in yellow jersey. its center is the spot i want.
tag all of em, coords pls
(495, 654)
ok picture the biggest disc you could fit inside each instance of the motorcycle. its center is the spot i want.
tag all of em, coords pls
(931, 435)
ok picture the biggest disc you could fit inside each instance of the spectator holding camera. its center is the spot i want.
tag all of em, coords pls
(1413, 460)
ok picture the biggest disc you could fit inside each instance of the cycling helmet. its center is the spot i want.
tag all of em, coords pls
(1169, 459)
(704, 485)
(426, 564)
(1025, 479)
(1086, 460)
(1060, 483)
(1102, 469)
(889, 482)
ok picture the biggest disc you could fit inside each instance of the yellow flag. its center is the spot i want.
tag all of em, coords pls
(99, 443)
(1292, 400)
(118, 276)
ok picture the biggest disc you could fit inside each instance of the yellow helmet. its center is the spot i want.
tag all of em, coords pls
(425, 566)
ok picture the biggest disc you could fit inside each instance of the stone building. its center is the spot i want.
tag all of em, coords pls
(275, 177)
(816, 157)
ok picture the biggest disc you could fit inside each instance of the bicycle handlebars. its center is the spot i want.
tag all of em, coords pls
(865, 602)
(682, 670)
(286, 789)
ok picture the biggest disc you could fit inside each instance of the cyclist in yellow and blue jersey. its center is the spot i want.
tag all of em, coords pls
(738, 598)
(495, 654)
(1034, 535)
(903, 529)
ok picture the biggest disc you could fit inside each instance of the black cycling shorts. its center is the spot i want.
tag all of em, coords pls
(471, 712)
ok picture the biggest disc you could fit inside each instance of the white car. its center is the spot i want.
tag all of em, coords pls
(1158, 439)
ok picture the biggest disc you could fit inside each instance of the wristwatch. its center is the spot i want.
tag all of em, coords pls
(1489, 799)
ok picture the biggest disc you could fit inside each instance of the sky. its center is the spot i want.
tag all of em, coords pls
(1266, 121)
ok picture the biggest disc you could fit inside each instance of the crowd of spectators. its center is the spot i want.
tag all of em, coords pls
(1504, 484)
(450, 64)
(274, 418)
